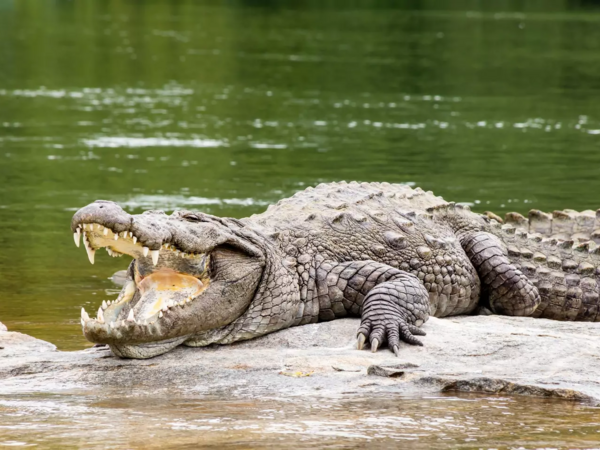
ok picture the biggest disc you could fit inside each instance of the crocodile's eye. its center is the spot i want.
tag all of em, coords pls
(191, 217)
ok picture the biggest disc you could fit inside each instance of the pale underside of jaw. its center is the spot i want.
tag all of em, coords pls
(161, 293)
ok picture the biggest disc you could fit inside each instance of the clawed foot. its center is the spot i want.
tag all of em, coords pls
(391, 331)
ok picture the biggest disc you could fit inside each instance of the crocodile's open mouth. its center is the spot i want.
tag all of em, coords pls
(160, 284)
(192, 275)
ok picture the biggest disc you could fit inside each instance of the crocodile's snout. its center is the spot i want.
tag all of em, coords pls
(104, 212)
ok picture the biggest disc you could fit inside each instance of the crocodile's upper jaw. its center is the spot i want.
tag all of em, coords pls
(170, 294)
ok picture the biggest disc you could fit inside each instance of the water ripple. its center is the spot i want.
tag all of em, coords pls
(124, 141)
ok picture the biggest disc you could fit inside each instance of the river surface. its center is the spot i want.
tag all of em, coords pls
(228, 108)
(466, 422)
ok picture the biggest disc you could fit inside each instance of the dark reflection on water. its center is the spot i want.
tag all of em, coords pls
(467, 421)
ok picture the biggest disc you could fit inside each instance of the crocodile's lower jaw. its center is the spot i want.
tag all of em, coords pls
(147, 350)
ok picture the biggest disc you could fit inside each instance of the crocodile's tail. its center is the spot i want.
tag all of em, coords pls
(566, 225)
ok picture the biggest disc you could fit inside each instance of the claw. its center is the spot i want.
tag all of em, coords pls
(361, 341)
(396, 350)
(374, 345)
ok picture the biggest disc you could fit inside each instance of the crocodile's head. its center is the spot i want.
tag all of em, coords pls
(191, 272)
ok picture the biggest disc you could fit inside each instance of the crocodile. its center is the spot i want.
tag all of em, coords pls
(390, 254)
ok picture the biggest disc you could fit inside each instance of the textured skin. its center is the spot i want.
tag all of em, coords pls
(391, 255)
(508, 291)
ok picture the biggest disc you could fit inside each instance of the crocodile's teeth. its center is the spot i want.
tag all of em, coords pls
(145, 251)
(155, 254)
(77, 237)
(134, 239)
(104, 304)
(90, 252)
(131, 234)
(100, 315)
(124, 234)
(105, 231)
(82, 323)
(160, 314)
(84, 315)
(116, 236)
(131, 317)
(128, 292)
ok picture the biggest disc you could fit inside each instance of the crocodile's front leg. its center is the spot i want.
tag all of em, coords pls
(391, 303)
(509, 291)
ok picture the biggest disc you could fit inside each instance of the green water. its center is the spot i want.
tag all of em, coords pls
(226, 107)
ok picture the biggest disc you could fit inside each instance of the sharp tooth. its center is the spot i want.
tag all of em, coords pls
(77, 237)
(134, 239)
(84, 226)
(116, 236)
(100, 315)
(104, 304)
(105, 231)
(90, 252)
(84, 315)
(128, 292)
(145, 251)
(124, 234)
(86, 243)
(164, 308)
(100, 227)
(155, 254)
(82, 323)
(131, 317)
(131, 234)
(160, 314)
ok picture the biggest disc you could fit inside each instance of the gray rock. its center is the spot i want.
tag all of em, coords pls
(15, 345)
(390, 370)
(345, 368)
(382, 371)
(119, 278)
(490, 354)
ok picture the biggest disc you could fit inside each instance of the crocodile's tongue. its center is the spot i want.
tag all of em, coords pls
(163, 289)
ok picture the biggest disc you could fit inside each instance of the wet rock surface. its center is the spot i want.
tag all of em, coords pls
(489, 354)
